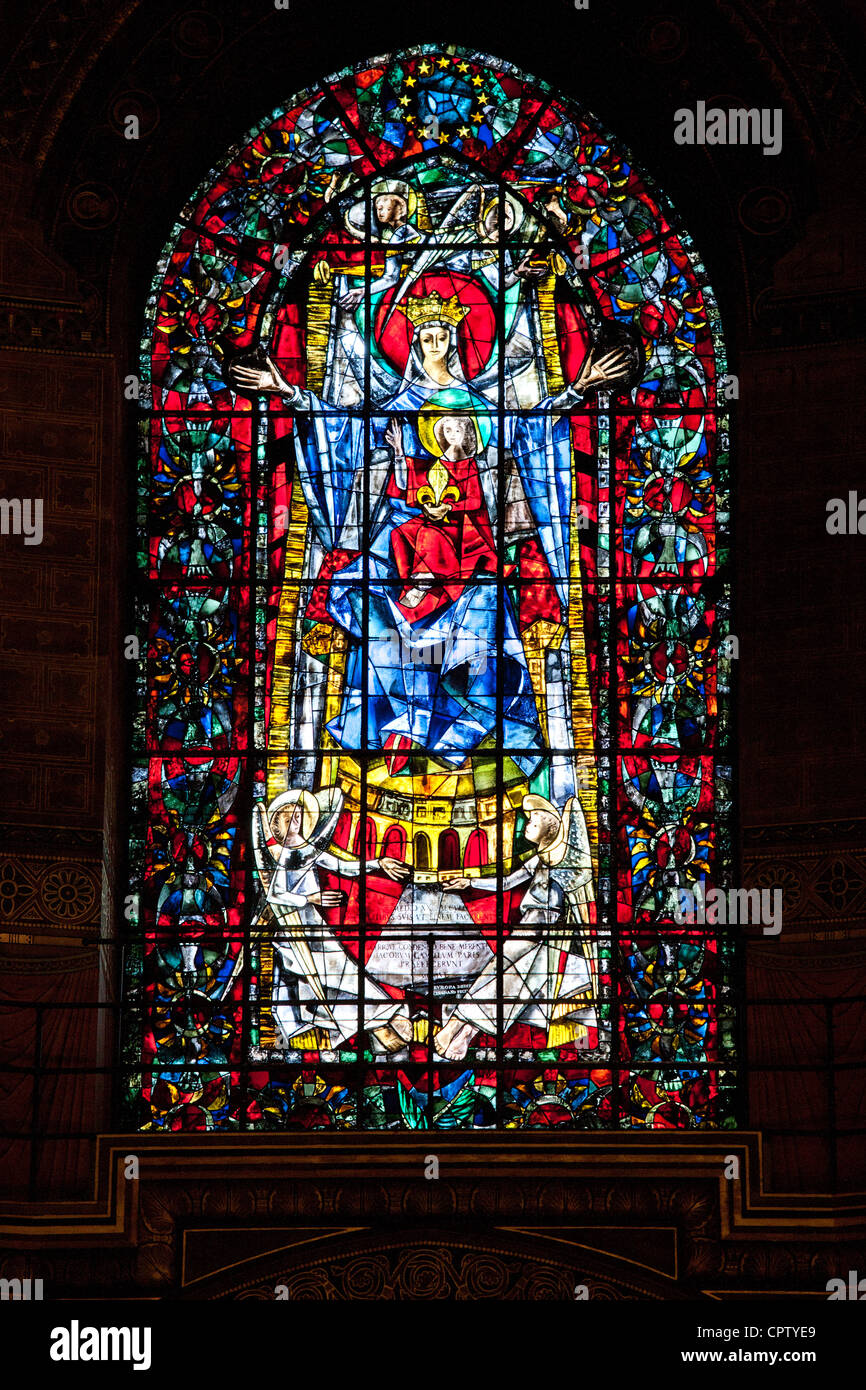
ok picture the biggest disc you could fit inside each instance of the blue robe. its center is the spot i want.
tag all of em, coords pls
(433, 680)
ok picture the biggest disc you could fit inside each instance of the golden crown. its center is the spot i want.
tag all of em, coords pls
(432, 308)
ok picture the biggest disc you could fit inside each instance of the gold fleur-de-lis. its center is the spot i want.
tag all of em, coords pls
(439, 490)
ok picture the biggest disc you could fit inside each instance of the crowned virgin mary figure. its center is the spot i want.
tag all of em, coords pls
(407, 533)
(409, 502)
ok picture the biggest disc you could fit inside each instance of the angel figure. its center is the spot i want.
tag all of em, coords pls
(547, 977)
(316, 984)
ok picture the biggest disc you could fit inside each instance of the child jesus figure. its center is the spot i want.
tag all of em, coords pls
(451, 540)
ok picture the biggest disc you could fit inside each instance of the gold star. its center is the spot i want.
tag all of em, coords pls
(463, 67)
(465, 132)
(443, 138)
(443, 62)
(405, 101)
(478, 117)
(410, 80)
(482, 97)
(424, 67)
(477, 81)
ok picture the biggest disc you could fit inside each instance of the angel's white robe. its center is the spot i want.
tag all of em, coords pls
(536, 980)
(317, 980)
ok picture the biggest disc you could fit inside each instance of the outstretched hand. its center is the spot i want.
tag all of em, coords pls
(602, 369)
(328, 897)
(267, 378)
(394, 868)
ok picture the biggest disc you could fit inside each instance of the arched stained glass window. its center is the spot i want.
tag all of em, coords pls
(431, 733)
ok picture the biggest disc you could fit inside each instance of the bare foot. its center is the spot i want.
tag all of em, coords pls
(453, 1040)
(389, 1038)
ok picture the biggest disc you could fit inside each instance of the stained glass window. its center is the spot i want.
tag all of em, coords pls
(431, 725)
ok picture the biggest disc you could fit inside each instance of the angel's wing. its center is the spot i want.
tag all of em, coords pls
(330, 801)
(429, 255)
(574, 871)
(266, 862)
(577, 856)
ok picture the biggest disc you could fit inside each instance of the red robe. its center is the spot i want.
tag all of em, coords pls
(454, 549)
